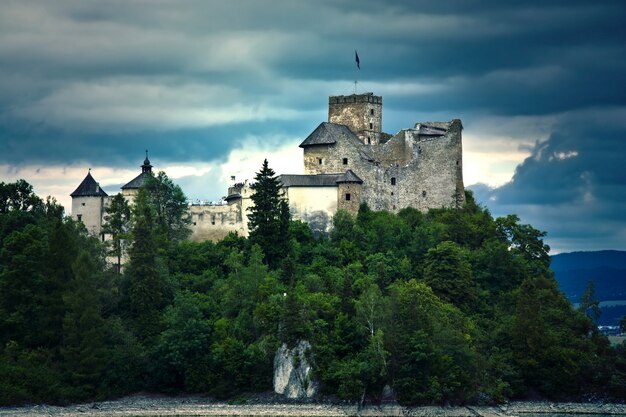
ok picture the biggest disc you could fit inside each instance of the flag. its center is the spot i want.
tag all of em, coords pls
(358, 61)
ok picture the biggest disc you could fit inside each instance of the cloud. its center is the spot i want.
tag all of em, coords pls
(571, 184)
(200, 83)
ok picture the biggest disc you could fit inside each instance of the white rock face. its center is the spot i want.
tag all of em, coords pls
(293, 373)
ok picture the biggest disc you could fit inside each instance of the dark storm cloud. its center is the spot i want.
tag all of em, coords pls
(98, 82)
(573, 185)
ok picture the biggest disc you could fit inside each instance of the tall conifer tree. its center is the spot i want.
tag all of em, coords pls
(269, 217)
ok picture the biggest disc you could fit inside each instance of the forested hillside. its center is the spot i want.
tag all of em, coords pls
(606, 269)
(449, 306)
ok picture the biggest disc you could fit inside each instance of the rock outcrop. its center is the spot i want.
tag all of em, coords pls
(293, 374)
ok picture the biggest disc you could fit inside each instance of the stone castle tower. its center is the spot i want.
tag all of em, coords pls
(348, 160)
(88, 204)
(362, 114)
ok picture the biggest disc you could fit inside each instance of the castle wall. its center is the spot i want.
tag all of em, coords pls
(332, 157)
(313, 205)
(362, 113)
(130, 194)
(408, 171)
(432, 178)
(354, 191)
(90, 211)
(215, 222)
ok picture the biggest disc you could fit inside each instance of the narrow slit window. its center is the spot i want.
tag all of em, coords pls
(345, 161)
(79, 217)
(393, 181)
(423, 193)
(371, 112)
(371, 125)
(320, 160)
(348, 196)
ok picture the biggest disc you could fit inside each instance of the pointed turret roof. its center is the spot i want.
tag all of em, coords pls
(327, 134)
(139, 180)
(349, 176)
(89, 188)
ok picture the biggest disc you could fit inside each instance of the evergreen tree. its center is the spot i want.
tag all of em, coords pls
(589, 304)
(269, 217)
(84, 350)
(146, 293)
(117, 226)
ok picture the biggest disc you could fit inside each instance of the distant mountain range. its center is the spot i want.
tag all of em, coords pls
(607, 269)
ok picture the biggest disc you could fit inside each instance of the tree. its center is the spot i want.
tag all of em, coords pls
(588, 302)
(18, 196)
(117, 225)
(169, 203)
(449, 274)
(146, 293)
(84, 350)
(269, 217)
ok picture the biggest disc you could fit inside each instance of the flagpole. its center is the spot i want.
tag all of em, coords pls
(357, 67)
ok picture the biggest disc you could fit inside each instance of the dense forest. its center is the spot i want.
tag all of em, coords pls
(450, 306)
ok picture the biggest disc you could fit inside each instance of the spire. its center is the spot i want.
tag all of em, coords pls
(146, 167)
(89, 188)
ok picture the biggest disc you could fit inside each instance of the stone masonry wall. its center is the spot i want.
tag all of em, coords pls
(407, 171)
(433, 178)
(355, 191)
(362, 113)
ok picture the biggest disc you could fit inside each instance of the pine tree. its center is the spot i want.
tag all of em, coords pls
(269, 217)
(118, 218)
(84, 351)
(146, 293)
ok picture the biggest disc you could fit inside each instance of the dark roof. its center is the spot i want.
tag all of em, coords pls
(318, 180)
(349, 176)
(89, 188)
(327, 134)
(138, 181)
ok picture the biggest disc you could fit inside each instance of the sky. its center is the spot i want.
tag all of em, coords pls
(211, 88)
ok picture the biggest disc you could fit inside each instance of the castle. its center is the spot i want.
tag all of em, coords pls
(348, 160)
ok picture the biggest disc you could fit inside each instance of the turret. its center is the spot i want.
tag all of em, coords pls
(88, 204)
(130, 189)
(362, 113)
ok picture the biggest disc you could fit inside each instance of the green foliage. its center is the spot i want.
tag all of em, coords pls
(117, 225)
(450, 306)
(268, 220)
(146, 286)
(169, 204)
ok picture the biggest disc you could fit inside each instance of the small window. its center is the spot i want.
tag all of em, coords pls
(423, 193)
(345, 161)
(79, 217)
(457, 162)
(82, 204)
(371, 125)
(348, 196)
(320, 160)
(369, 140)
(393, 181)
(392, 193)
(213, 219)
(371, 112)
(194, 223)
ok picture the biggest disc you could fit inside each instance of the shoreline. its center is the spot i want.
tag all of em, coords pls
(146, 405)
